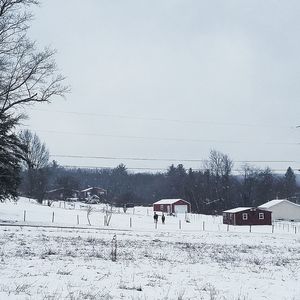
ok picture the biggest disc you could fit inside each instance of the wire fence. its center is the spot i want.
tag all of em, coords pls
(137, 218)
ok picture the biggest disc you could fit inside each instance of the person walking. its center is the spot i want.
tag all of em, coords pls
(163, 218)
(155, 217)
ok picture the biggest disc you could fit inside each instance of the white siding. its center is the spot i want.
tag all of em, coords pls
(180, 209)
(285, 210)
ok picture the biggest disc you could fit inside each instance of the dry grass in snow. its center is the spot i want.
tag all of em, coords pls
(164, 263)
(67, 264)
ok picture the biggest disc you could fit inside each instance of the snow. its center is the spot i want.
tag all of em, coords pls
(237, 209)
(168, 201)
(276, 202)
(55, 190)
(202, 260)
(92, 188)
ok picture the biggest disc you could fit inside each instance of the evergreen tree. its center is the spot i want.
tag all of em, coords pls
(265, 187)
(10, 157)
(289, 182)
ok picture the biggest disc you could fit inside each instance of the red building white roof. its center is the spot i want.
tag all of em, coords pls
(169, 201)
(237, 209)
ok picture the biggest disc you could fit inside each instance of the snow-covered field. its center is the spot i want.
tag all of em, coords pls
(167, 262)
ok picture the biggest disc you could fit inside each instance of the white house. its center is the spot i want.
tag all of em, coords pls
(282, 209)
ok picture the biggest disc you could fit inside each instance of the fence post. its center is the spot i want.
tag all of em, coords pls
(295, 229)
(77, 219)
(114, 248)
(250, 229)
(272, 228)
(130, 222)
(179, 224)
(203, 226)
(53, 217)
(24, 215)
(227, 227)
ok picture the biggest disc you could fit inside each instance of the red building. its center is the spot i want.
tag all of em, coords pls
(247, 216)
(172, 206)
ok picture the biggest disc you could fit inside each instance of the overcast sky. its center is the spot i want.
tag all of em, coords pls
(172, 79)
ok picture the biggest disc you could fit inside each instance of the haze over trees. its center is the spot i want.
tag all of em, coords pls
(27, 75)
(210, 190)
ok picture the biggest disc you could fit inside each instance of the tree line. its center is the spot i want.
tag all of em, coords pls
(210, 190)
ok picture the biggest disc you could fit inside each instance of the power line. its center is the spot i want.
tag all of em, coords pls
(136, 137)
(126, 158)
(165, 159)
(163, 138)
(161, 119)
(110, 168)
(150, 169)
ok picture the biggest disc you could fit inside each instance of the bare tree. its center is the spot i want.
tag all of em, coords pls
(220, 166)
(36, 154)
(35, 157)
(108, 214)
(26, 74)
(248, 184)
(89, 211)
(219, 163)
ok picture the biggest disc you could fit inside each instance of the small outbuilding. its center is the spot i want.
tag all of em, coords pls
(62, 194)
(92, 193)
(247, 216)
(172, 206)
(282, 209)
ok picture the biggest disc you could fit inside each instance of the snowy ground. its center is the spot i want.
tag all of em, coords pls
(163, 263)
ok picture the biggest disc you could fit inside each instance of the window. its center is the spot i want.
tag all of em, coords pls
(161, 207)
(245, 216)
(261, 216)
